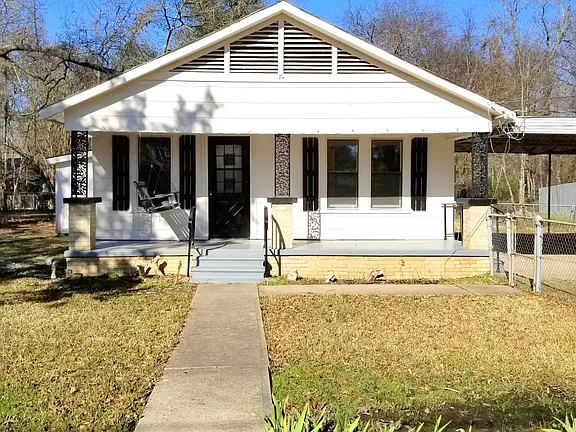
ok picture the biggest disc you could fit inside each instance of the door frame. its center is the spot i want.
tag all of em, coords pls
(244, 141)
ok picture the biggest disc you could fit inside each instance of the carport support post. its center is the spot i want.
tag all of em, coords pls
(549, 185)
(490, 244)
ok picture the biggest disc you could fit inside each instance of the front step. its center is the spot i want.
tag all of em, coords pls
(237, 266)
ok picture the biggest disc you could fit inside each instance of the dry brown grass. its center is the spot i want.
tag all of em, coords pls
(501, 363)
(82, 355)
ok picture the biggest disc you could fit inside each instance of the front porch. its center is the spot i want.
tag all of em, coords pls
(399, 259)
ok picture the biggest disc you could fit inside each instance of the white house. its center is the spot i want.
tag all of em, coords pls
(347, 140)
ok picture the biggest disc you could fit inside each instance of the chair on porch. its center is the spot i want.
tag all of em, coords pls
(156, 203)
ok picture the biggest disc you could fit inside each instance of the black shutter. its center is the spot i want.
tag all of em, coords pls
(419, 173)
(120, 172)
(187, 194)
(310, 172)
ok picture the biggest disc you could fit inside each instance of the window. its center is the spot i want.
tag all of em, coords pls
(154, 165)
(386, 174)
(342, 173)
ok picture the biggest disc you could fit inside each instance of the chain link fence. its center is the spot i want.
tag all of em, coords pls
(531, 249)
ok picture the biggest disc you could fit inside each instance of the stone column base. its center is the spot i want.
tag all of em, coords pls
(282, 222)
(82, 223)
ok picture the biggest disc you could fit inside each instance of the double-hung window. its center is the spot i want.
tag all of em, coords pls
(154, 164)
(386, 183)
(342, 173)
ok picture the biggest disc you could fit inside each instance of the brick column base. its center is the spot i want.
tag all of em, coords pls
(282, 222)
(82, 223)
(475, 225)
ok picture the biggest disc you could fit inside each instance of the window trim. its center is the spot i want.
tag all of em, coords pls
(398, 206)
(345, 208)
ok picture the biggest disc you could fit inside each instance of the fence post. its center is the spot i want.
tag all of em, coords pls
(509, 249)
(490, 244)
(538, 243)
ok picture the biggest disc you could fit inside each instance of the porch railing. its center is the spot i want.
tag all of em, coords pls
(191, 232)
(455, 229)
(266, 222)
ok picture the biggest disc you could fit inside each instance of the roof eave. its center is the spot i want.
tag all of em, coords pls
(56, 110)
(53, 110)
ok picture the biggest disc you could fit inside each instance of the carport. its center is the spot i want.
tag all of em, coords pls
(531, 136)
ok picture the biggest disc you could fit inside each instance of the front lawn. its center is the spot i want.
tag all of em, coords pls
(82, 355)
(500, 363)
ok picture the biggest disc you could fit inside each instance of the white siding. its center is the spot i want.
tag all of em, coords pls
(63, 189)
(134, 223)
(360, 223)
(380, 224)
(354, 104)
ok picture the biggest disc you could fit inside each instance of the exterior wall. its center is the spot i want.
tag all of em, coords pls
(135, 224)
(395, 268)
(336, 224)
(380, 224)
(316, 267)
(165, 102)
(63, 190)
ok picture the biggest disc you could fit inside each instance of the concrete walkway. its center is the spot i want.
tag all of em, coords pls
(217, 378)
(389, 289)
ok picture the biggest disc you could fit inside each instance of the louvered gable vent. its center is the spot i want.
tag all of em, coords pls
(256, 53)
(211, 62)
(349, 64)
(305, 53)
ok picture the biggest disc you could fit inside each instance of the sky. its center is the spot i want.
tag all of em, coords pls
(330, 10)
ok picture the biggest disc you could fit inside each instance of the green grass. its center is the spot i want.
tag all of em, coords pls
(499, 363)
(83, 354)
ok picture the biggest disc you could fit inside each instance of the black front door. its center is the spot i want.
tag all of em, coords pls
(229, 186)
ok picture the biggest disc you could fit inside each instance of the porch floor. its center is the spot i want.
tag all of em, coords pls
(130, 248)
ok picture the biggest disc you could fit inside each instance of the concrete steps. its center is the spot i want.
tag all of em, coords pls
(215, 266)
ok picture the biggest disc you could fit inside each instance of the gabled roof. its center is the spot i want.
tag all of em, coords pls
(392, 62)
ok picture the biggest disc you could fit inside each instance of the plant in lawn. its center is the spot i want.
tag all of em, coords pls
(437, 426)
(352, 426)
(568, 425)
(282, 420)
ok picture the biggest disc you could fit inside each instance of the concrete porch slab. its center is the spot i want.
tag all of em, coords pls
(123, 248)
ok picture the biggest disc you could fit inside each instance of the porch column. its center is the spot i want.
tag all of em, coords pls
(81, 208)
(477, 208)
(480, 165)
(282, 203)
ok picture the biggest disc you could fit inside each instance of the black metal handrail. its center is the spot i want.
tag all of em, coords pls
(191, 232)
(459, 208)
(266, 265)
(496, 209)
